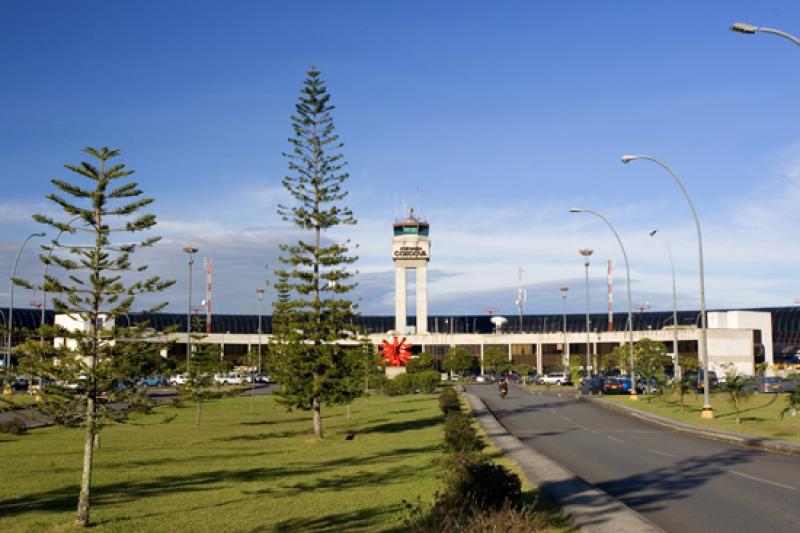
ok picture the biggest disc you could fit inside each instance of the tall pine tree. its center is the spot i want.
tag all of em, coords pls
(92, 288)
(310, 356)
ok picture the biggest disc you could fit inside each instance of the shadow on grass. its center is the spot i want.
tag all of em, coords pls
(65, 498)
(368, 518)
(350, 481)
(398, 427)
(264, 436)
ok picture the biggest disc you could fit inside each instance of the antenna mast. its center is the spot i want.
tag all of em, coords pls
(610, 296)
(522, 296)
(208, 263)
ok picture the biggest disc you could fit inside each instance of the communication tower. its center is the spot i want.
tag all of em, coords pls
(411, 251)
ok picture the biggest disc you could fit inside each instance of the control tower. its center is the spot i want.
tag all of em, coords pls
(411, 247)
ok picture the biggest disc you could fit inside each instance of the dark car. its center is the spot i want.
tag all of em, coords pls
(19, 384)
(694, 377)
(771, 385)
(592, 385)
(617, 386)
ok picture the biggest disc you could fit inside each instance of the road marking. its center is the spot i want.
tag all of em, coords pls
(552, 411)
(616, 439)
(566, 418)
(664, 454)
(762, 480)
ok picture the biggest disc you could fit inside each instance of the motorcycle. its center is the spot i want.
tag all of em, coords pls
(503, 390)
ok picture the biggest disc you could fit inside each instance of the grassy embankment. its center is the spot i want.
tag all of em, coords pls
(760, 413)
(237, 472)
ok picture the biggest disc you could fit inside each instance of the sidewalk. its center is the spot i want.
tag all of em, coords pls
(590, 509)
(761, 443)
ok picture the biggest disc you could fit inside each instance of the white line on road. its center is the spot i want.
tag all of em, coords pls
(664, 454)
(762, 480)
(616, 439)
(566, 418)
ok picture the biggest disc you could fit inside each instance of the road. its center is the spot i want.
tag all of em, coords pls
(679, 482)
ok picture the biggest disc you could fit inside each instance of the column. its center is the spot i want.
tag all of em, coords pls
(400, 299)
(422, 298)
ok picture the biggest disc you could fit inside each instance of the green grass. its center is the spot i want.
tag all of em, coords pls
(237, 472)
(760, 413)
(16, 401)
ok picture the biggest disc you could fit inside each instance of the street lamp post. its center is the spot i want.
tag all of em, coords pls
(565, 351)
(743, 27)
(630, 302)
(190, 251)
(677, 361)
(260, 293)
(10, 324)
(586, 253)
(708, 411)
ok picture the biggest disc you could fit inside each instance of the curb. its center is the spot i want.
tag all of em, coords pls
(590, 509)
(761, 443)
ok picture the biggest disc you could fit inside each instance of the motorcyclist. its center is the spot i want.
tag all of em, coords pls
(503, 387)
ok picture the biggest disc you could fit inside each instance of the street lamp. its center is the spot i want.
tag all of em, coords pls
(677, 362)
(190, 251)
(630, 304)
(10, 324)
(565, 351)
(743, 27)
(708, 411)
(260, 293)
(586, 253)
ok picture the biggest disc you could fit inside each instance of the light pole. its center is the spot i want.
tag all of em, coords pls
(677, 362)
(743, 27)
(7, 359)
(260, 293)
(190, 251)
(630, 303)
(565, 351)
(586, 253)
(708, 411)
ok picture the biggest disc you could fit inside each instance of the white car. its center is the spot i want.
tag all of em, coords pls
(231, 378)
(554, 378)
(177, 379)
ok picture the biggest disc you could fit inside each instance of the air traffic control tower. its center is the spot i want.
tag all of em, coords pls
(411, 248)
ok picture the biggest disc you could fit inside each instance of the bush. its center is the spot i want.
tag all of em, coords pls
(484, 483)
(448, 401)
(15, 426)
(459, 435)
(426, 381)
(468, 518)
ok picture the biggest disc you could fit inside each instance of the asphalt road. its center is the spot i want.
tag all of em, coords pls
(679, 482)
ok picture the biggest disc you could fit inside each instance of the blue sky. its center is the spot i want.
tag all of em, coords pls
(498, 116)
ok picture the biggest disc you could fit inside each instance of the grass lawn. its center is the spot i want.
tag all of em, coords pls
(760, 413)
(237, 472)
(16, 401)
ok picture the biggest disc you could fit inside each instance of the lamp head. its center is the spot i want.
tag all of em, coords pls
(628, 158)
(576, 210)
(652, 233)
(41, 234)
(743, 27)
(563, 289)
(190, 249)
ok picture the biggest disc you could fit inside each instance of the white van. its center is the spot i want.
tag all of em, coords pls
(231, 378)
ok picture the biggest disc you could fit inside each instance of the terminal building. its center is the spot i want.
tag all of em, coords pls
(745, 338)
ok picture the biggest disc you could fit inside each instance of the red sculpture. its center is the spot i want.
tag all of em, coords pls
(395, 353)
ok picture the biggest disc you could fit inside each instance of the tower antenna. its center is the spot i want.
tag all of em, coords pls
(208, 264)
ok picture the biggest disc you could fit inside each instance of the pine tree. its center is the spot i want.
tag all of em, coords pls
(92, 288)
(313, 320)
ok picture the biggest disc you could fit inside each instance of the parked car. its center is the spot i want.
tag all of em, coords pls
(231, 378)
(154, 381)
(772, 385)
(592, 385)
(555, 378)
(177, 379)
(485, 378)
(258, 377)
(713, 380)
(19, 384)
(617, 386)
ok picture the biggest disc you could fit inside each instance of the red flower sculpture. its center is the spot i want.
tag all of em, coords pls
(395, 353)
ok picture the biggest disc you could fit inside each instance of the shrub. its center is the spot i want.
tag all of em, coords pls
(468, 518)
(405, 384)
(426, 381)
(459, 435)
(479, 480)
(448, 401)
(390, 388)
(15, 426)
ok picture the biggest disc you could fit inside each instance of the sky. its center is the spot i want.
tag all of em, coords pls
(491, 119)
